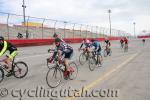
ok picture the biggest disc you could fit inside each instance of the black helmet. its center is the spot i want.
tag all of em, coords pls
(1, 38)
(55, 35)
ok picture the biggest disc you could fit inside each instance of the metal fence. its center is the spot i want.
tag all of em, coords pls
(11, 25)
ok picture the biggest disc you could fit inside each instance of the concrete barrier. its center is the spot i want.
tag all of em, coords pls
(37, 42)
(143, 36)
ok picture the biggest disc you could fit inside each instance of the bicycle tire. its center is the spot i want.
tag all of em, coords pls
(92, 63)
(126, 49)
(73, 74)
(105, 53)
(82, 59)
(100, 61)
(1, 75)
(110, 52)
(17, 68)
(50, 79)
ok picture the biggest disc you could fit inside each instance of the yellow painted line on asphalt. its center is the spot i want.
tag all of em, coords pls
(106, 75)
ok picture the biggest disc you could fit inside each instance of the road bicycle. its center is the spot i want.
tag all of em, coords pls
(107, 51)
(95, 59)
(58, 71)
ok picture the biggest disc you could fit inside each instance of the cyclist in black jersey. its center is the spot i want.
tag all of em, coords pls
(66, 51)
(107, 42)
(4, 47)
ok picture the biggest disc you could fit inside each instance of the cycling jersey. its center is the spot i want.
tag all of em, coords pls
(87, 43)
(107, 42)
(6, 46)
(121, 41)
(126, 41)
(65, 49)
(97, 46)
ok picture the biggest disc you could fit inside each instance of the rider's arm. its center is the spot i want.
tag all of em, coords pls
(3, 49)
(59, 55)
(81, 45)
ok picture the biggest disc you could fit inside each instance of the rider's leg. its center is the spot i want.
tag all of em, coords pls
(10, 58)
(8, 61)
(88, 51)
(66, 58)
(66, 63)
(100, 57)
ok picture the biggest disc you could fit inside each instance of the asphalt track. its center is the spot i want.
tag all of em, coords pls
(125, 74)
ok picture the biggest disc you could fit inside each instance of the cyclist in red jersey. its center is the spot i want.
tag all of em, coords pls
(126, 44)
(125, 40)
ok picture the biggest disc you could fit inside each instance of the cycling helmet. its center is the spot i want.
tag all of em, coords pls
(55, 35)
(1, 38)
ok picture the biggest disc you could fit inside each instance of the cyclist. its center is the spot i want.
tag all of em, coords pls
(6, 46)
(87, 44)
(143, 40)
(126, 42)
(121, 42)
(65, 50)
(97, 48)
(108, 44)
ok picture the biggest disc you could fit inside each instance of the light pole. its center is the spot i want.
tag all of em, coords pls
(24, 16)
(109, 11)
(134, 29)
(65, 23)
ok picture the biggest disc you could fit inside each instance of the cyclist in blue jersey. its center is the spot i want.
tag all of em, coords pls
(97, 47)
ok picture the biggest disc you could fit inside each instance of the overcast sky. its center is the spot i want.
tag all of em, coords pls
(92, 12)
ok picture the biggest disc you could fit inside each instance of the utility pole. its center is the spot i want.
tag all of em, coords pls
(24, 17)
(109, 11)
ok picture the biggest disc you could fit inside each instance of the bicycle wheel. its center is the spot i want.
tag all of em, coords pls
(92, 63)
(105, 53)
(110, 52)
(126, 49)
(99, 61)
(20, 69)
(82, 58)
(1, 75)
(53, 77)
(73, 71)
